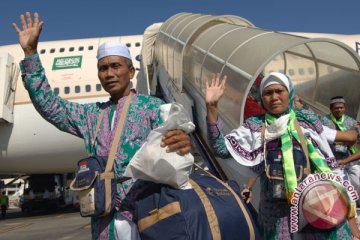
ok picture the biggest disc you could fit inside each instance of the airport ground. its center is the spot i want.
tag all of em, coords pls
(60, 225)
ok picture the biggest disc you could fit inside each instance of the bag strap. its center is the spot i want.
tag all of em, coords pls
(117, 136)
(98, 127)
(263, 127)
(238, 200)
(209, 211)
(302, 143)
(118, 131)
(303, 146)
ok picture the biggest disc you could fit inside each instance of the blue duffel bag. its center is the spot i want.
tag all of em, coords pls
(212, 209)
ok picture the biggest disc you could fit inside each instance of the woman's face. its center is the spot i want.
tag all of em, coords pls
(275, 98)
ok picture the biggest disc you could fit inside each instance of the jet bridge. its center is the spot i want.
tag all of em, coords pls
(189, 48)
(9, 72)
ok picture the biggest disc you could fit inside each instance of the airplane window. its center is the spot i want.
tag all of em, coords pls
(42, 51)
(81, 48)
(62, 49)
(87, 88)
(77, 89)
(71, 49)
(90, 48)
(301, 71)
(137, 44)
(52, 50)
(128, 44)
(98, 87)
(66, 90)
(291, 72)
(56, 91)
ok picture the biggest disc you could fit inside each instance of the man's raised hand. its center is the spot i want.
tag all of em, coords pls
(30, 32)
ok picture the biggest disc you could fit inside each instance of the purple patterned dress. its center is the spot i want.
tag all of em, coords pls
(273, 216)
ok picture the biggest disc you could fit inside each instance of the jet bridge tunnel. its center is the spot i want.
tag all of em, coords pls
(190, 47)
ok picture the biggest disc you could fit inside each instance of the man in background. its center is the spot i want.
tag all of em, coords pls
(4, 200)
(338, 120)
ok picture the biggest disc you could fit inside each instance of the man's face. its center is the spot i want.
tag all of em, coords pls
(115, 75)
(275, 98)
(337, 109)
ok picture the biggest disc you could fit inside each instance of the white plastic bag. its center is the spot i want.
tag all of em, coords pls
(153, 163)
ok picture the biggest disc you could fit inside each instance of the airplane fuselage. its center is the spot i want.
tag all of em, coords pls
(29, 144)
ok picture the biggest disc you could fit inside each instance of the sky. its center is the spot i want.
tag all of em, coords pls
(74, 19)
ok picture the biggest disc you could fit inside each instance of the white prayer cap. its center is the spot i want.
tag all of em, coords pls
(274, 78)
(337, 99)
(113, 49)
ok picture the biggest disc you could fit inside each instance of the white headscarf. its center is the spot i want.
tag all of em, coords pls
(274, 78)
(245, 142)
(113, 49)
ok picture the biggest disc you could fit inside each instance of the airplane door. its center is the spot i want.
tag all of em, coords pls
(9, 72)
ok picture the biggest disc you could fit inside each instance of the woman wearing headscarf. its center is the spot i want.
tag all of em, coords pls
(273, 141)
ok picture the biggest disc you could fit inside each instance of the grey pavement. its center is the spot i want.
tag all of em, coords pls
(60, 225)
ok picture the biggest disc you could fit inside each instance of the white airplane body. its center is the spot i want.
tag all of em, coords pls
(352, 40)
(28, 143)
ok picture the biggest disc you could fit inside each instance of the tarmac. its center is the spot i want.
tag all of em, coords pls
(60, 225)
(64, 224)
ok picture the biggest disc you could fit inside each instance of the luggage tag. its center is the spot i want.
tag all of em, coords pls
(278, 185)
(87, 202)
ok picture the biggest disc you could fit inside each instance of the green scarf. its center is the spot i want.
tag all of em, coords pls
(287, 154)
(340, 124)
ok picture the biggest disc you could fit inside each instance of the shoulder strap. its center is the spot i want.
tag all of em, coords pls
(263, 128)
(303, 146)
(263, 133)
(263, 143)
(237, 198)
(302, 142)
(117, 136)
(209, 210)
(98, 127)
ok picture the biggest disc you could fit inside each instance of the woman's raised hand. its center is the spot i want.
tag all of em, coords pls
(215, 90)
(30, 32)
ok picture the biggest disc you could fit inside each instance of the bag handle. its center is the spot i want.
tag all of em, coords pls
(209, 211)
(238, 200)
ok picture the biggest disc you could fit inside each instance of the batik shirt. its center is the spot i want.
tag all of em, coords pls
(81, 120)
